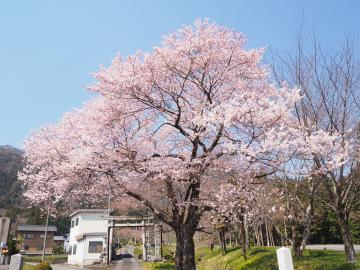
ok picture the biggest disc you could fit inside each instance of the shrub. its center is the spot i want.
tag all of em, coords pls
(49, 258)
(13, 245)
(58, 250)
(168, 257)
(138, 252)
(168, 253)
(43, 266)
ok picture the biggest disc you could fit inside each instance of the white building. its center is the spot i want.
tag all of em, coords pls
(88, 234)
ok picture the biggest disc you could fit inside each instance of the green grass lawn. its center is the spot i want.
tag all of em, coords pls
(261, 258)
(257, 257)
(159, 266)
(29, 266)
(324, 260)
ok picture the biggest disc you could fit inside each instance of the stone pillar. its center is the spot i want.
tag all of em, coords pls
(144, 243)
(111, 239)
(17, 262)
(284, 259)
(4, 229)
(157, 238)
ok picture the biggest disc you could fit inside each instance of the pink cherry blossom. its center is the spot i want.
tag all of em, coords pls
(166, 126)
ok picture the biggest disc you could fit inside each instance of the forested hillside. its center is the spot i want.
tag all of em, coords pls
(10, 188)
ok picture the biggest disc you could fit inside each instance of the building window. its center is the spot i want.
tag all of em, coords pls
(42, 236)
(74, 250)
(28, 236)
(76, 221)
(39, 247)
(69, 250)
(72, 223)
(26, 247)
(95, 246)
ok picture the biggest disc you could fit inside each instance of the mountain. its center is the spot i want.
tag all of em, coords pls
(12, 203)
(11, 162)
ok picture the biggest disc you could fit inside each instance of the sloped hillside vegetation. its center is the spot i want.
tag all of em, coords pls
(10, 188)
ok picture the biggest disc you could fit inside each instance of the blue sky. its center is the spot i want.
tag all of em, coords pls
(48, 48)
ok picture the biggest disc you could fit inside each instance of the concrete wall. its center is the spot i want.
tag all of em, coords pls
(83, 256)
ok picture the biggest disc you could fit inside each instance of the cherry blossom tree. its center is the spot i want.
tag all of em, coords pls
(329, 80)
(293, 208)
(164, 124)
(235, 202)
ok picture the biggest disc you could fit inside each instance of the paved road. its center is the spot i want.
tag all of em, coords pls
(126, 260)
(337, 247)
(67, 267)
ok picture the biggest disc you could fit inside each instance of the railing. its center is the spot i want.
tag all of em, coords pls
(131, 220)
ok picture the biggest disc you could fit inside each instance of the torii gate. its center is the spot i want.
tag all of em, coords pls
(136, 221)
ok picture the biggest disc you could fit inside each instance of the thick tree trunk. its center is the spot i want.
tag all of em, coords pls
(189, 253)
(347, 239)
(185, 248)
(179, 251)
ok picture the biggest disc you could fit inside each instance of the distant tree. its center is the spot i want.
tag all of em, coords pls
(13, 213)
(34, 216)
(62, 224)
(325, 229)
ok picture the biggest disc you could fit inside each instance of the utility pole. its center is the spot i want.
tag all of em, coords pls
(109, 205)
(46, 231)
(110, 233)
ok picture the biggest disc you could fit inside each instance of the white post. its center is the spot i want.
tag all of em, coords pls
(284, 259)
